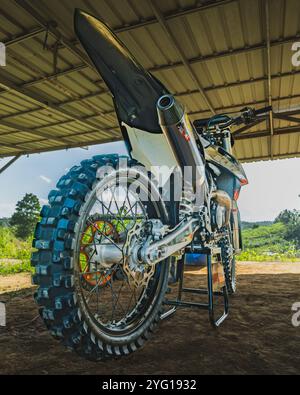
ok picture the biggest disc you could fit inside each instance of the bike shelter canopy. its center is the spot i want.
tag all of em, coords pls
(215, 56)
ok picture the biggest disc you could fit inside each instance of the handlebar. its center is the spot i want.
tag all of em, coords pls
(247, 116)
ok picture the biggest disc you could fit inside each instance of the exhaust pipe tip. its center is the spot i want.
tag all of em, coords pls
(170, 112)
(165, 102)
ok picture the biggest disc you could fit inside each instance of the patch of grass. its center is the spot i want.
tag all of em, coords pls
(252, 255)
(13, 268)
(261, 244)
(268, 243)
(12, 248)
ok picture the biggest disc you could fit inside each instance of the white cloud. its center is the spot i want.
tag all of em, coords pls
(43, 202)
(46, 179)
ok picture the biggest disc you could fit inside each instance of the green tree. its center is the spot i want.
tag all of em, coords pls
(293, 233)
(4, 222)
(26, 216)
(288, 217)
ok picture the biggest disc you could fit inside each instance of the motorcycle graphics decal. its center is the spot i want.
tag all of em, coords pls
(184, 132)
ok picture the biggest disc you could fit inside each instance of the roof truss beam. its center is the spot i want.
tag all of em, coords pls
(173, 15)
(53, 76)
(162, 21)
(83, 66)
(170, 67)
(233, 108)
(69, 136)
(237, 107)
(23, 129)
(247, 127)
(286, 117)
(227, 53)
(238, 134)
(51, 28)
(9, 145)
(105, 91)
(42, 102)
(281, 156)
(179, 94)
(277, 132)
(216, 55)
(65, 146)
(23, 37)
(266, 133)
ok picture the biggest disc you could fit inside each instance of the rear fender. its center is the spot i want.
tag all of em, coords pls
(135, 91)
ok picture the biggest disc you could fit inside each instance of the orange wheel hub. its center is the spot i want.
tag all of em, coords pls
(93, 278)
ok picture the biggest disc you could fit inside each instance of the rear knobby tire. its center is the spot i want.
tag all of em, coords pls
(55, 262)
(229, 261)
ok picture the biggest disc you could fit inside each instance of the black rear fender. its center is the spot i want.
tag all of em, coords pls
(135, 91)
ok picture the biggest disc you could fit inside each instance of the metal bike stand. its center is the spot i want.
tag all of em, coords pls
(210, 305)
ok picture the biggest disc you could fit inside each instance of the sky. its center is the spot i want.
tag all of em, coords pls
(273, 186)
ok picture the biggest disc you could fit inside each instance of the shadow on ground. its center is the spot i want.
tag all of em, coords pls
(257, 338)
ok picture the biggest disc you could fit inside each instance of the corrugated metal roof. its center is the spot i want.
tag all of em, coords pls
(215, 55)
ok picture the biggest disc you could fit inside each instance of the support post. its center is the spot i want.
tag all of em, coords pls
(271, 120)
(8, 164)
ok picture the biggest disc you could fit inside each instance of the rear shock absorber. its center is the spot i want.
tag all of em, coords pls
(186, 204)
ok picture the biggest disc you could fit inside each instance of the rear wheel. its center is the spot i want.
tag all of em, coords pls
(106, 308)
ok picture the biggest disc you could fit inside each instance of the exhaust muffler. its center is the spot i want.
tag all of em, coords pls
(180, 134)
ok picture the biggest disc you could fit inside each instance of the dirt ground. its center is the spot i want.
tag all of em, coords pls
(257, 338)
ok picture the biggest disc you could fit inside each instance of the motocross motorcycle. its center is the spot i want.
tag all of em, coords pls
(109, 246)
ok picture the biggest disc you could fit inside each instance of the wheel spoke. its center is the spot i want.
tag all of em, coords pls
(105, 236)
(110, 294)
(114, 298)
